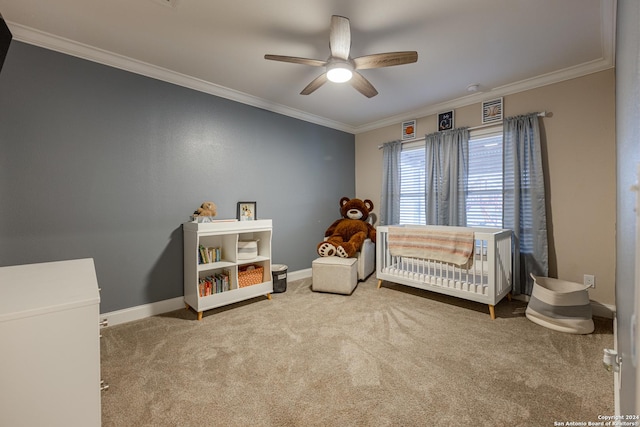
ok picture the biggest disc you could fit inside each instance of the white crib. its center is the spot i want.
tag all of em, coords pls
(487, 280)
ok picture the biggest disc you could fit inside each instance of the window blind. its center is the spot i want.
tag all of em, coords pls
(412, 185)
(484, 187)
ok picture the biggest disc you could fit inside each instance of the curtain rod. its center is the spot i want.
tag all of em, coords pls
(542, 114)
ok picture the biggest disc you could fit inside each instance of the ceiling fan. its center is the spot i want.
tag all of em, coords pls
(340, 67)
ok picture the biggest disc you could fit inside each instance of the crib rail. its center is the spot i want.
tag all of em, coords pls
(486, 280)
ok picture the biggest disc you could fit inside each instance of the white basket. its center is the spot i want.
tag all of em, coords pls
(247, 249)
(560, 305)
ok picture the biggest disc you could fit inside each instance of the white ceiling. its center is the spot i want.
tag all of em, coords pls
(218, 46)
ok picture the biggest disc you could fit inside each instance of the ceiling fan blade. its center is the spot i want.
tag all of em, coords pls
(362, 85)
(379, 60)
(340, 37)
(296, 60)
(315, 84)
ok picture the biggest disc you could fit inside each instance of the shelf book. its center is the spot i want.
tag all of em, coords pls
(212, 267)
(213, 284)
(208, 255)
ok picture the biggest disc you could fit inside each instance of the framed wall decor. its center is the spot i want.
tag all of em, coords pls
(409, 130)
(445, 120)
(247, 211)
(492, 111)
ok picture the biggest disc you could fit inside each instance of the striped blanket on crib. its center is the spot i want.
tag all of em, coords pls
(450, 245)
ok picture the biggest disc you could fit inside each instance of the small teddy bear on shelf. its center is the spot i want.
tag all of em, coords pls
(206, 209)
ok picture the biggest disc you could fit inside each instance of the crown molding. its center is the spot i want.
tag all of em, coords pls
(69, 47)
(83, 51)
(510, 89)
(607, 61)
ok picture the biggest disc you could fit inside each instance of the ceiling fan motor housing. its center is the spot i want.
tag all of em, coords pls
(339, 71)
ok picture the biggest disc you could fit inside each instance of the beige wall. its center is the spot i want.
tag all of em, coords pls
(579, 151)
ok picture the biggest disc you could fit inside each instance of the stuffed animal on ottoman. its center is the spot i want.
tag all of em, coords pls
(345, 236)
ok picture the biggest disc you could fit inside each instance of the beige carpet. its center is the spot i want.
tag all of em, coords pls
(394, 356)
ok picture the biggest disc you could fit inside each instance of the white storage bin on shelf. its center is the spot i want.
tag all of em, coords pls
(215, 256)
(247, 249)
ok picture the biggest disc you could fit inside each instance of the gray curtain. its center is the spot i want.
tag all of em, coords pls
(390, 195)
(524, 200)
(447, 168)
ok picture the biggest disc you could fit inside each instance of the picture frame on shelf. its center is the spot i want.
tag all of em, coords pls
(446, 120)
(247, 211)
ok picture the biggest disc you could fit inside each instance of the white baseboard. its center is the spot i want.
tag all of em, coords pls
(142, 311)
(155, 308)
(599, 309)
(299, 275)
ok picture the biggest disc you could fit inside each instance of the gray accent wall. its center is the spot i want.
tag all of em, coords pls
(102, 163)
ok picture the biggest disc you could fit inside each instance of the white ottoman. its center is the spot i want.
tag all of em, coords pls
(334, 274)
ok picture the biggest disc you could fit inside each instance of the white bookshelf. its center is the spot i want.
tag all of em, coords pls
(225, 236)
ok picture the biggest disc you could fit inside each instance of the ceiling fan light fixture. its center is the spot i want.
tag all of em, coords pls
(340, 67)
(339, 72)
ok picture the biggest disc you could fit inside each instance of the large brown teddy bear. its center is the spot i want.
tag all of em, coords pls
(345, 236)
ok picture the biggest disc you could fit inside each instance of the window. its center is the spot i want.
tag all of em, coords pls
(484, 185)
(412, 184)
(484, 189)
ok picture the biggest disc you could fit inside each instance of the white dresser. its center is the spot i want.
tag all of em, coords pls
(50, 345)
